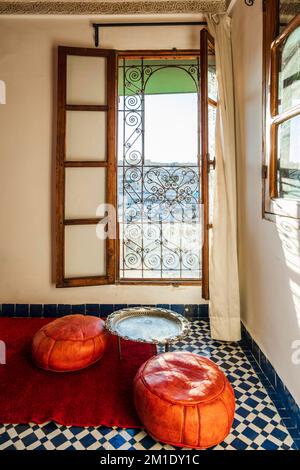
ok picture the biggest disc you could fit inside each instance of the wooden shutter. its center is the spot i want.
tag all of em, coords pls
(85, 166)
(207, 103)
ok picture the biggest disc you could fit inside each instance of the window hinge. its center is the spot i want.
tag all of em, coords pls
(211, 162)
(264, 172)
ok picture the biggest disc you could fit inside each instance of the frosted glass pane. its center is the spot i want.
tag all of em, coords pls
(86, 135)
(84, 251)
(85, 190)
(86, 80)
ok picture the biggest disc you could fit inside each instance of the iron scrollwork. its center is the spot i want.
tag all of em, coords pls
(156, 200)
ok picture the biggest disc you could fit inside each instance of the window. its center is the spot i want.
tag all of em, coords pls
(136, 134)
(158, 169)
(282, 100)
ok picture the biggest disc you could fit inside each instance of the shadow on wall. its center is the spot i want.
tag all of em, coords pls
(281, 341)
(289, 234)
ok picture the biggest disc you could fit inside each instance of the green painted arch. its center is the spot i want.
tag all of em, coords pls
(153, 77)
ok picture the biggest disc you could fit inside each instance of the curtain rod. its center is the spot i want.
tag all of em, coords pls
(97, 26)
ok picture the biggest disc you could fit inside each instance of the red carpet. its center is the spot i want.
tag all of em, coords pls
(100, 394)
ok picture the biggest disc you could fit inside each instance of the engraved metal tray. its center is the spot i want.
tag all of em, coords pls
(148, 325)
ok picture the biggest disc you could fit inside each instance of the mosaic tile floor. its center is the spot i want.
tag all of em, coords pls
(257, 423)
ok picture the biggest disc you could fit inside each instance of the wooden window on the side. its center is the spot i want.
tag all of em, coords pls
(85, 167)
(282, 112)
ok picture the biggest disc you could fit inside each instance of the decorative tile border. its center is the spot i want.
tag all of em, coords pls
(80, 7)
(193, 311)
(278, 392)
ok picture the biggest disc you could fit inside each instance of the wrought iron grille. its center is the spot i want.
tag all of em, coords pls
(288, 182)
(159, 208)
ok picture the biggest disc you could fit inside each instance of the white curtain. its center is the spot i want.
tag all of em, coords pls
(223, 277)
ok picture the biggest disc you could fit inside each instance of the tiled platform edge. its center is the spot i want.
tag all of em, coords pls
(278, 392)
(192, 311)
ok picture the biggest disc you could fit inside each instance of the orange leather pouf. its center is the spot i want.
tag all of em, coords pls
(69, 343)
(184, 400)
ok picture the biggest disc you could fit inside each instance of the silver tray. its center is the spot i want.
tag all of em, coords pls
(148, 325)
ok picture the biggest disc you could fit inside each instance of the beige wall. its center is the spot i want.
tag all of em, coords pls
(27, 64)
(269, 252)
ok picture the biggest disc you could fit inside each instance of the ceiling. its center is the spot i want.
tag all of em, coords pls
(110, 7)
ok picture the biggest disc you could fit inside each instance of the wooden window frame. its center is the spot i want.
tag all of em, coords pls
(204, 162)
(274, 206)
(112, 245)
(62, 164)
(155, 54)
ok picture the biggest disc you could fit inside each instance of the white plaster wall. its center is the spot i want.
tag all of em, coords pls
(269, 252)
(27, 127)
